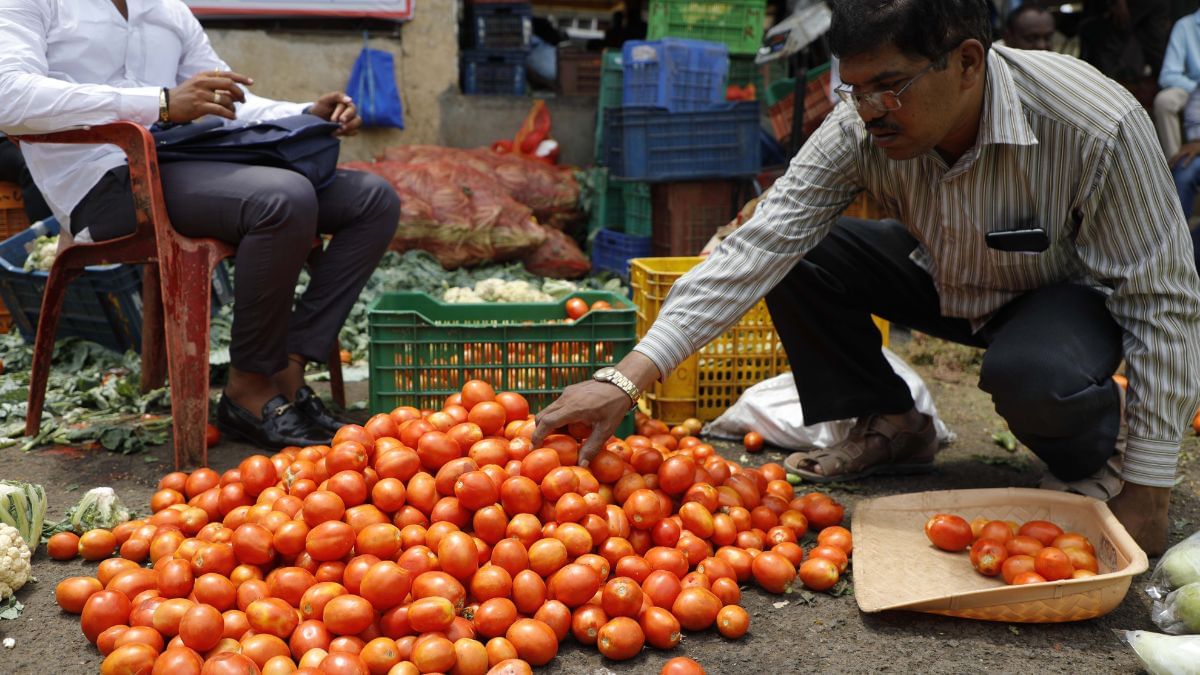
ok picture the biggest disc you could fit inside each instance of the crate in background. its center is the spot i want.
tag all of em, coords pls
(612, 251)
(688, 214)
(423, 350)
(638, 214)
(712, 379)
(611, 83)
(12, 221)
(506, 25)
(673, 73)
(493, 72)
(781, 97)
(738, 24)
(104, 304)
(652, 144)
(743, 71)
(608, 204)
(578, 72)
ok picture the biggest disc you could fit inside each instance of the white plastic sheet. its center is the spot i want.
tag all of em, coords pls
(772, 408)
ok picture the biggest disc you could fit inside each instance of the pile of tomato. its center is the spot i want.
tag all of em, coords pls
(444, 541)
(1035, 552)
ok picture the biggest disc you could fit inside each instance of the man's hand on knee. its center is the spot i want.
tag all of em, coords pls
(1143, 511)
(337, 107)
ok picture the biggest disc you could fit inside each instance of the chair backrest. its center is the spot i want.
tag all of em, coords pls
(135, 140)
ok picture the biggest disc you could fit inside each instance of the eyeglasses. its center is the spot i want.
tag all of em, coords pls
(880, 101)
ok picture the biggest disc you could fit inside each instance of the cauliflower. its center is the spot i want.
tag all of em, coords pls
(461, 295)
(14, 561)
(498, 290)
(42, 252)
(489, 289)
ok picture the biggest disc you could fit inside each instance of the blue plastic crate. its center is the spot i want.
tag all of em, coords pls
(673, 73)
(493, 72)
(652, 144)
(612, 251)
(498, 26)
(104, 304)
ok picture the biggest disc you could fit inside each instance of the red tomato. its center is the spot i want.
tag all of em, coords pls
(212, 435)
(988, 556)
(753, 441)
(621, 638)
(949, 532)
(1053, 564)
(1044, 531)
(576, 307)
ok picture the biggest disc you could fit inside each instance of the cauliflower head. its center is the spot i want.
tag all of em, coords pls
(14, 561)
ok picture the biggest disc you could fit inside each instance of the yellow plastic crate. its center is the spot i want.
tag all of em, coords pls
(712, 379)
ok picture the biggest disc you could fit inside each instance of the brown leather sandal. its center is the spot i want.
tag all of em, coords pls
(910, 452)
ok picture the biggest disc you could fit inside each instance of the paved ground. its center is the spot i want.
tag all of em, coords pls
(828, 635)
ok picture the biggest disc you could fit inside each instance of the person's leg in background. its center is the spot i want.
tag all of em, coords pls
(361, 211)
(1168, 107)
(13, 170)
(1050, 357)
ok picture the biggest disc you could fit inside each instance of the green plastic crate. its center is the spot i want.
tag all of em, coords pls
(738, 24)
(638, 212)
(423, 350)
(743, 71)
(611, 78)
(608, 201)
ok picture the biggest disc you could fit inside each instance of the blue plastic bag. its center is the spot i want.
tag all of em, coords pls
(372, 85)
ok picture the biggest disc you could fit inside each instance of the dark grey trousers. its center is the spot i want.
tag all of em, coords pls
(273, 216)
(1050, 353)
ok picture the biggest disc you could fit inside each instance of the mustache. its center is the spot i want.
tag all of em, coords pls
(879, 126)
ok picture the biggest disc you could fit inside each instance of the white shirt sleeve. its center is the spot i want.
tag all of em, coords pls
(199, 56)
(37, 103)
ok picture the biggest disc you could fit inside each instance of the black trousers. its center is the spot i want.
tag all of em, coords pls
(1049, 357)
(13, 170)
(273, 216)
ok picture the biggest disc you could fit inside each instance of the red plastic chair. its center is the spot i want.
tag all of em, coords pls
(177, 267)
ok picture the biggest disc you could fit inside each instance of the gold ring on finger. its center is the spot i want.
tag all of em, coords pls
(216, 98)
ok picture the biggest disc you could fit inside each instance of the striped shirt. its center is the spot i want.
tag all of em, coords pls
(1059, 145)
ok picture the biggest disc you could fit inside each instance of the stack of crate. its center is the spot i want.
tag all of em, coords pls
(674, 145)
(496, 38)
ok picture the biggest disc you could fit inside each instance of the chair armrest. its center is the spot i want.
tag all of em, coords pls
(138, 145)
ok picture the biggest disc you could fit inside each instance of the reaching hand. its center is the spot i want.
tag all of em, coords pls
(207, 93)
(600, 405)
(337, 107)
(1187, 152)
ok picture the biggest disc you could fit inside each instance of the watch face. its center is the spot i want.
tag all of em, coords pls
(604, 373)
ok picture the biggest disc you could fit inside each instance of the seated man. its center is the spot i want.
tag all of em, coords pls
(1185, 168)
(1178, 78)
(1036, 224)
(73, 62)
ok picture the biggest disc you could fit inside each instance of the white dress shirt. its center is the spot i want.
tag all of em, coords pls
(70, 63)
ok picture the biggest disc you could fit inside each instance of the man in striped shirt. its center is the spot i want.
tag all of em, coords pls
(1034, 217)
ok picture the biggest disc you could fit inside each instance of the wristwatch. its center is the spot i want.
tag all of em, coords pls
(164, 106)
(614, 376)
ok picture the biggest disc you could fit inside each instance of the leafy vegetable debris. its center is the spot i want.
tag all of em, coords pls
(93, 396)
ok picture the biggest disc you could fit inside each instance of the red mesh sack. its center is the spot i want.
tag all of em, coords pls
(558, 257)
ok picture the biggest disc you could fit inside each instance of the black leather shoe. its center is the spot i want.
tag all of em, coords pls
(282, 424)
(310, 404)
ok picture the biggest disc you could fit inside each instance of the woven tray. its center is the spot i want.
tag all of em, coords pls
(895, 566)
